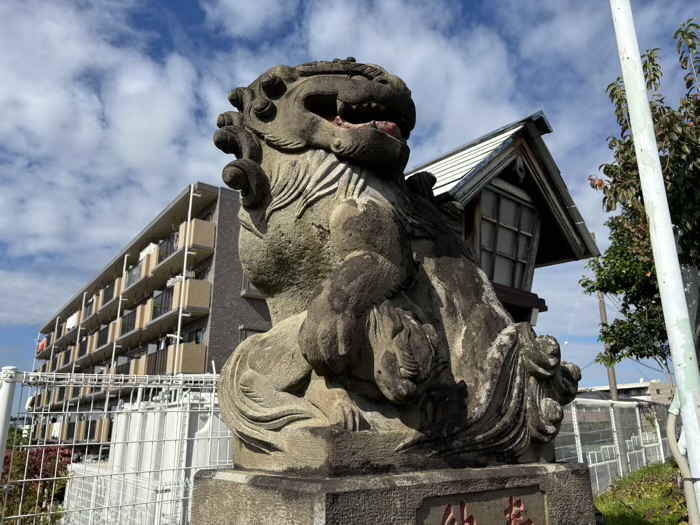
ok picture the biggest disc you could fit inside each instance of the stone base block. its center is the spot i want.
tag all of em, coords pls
(533, 494)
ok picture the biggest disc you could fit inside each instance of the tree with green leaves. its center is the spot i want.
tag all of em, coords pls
(626, 270)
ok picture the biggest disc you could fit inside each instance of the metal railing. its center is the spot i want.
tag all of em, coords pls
(125, 458)
(83, 347)
(134, 274)
(108, 293)
(612, 438)
(163, 303)
(89, 309)
(128, 322)
(168, 246)
(103, 336)
(86, 449)
(157, 362)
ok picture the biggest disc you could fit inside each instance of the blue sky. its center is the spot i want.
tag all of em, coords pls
(108, 108)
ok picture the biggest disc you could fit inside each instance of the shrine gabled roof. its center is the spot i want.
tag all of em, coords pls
(464, 172)
(451, 168)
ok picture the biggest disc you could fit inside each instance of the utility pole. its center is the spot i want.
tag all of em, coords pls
(675, 308)
(612, 379)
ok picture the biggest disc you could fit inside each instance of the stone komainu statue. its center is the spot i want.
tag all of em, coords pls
(386, 335)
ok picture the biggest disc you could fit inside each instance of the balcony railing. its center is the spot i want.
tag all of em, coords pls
(61, 394)
(64, 358)
(134, 273)
(168, 246)
(89, 308)
(157, 363)
(163, 303)
(108, 293)
(128, 322)
(103, 336)
(123, 369)
(83, 348)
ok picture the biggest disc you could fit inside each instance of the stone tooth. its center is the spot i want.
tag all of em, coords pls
(340, 107)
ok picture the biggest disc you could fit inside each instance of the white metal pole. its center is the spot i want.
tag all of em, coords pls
(659, 437)
(77, 333)
(663, 245)
(119, 313)
(183, 281)
(7, 396)
(637, 409)
(577, 432)
(616, 440)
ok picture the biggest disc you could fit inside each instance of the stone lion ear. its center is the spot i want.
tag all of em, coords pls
(272, 85)
(422, 183)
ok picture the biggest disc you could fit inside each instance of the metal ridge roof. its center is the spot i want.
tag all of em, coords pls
(452, 167)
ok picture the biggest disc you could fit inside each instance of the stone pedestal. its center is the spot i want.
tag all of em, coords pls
(533, 494)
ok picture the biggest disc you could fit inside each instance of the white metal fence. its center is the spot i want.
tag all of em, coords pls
(108, 449)
(613, 438)
(89, 449)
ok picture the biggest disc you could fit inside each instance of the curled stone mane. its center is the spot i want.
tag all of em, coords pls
(388, 340)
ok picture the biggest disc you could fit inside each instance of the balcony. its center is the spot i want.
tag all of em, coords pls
(171, 253)
(168, 246)
(89, 309)
(129, 331)
(191, 360)
(134, 274)
(128, 323)
(108, 304)
(123, 368)
(138, 366)
(162, 303)
(108, 292)
(65, 360)
(43, 350)
(82, 348)
(160, 315)
(103, 336)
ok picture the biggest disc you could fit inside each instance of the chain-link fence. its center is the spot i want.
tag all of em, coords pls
(90, 449)
(612, 438)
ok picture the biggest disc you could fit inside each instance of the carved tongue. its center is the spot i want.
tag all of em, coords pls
(389, 128)
(384, 126)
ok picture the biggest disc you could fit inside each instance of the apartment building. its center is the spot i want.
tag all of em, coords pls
(173, 301)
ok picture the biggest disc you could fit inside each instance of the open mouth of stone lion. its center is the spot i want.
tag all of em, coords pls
(362, 114)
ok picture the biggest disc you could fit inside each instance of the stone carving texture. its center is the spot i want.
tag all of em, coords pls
(383, 322)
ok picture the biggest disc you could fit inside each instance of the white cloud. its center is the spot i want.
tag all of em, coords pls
(247, 19)
(97, 134)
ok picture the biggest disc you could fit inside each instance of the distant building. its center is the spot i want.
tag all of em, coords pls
(174, 300)
(654, 391)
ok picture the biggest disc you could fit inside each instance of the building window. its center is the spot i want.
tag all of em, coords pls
(508, 237)
(196, 336)
(245, 332)
(249, 290)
